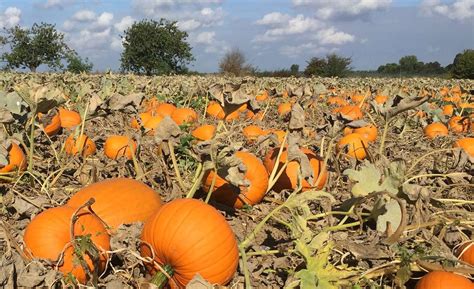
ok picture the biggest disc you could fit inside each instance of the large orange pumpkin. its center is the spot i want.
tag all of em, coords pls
(16, 159)
(82, 144)
(368, 131)
(190, 237)
(435, 129)
(466, 252)
(204, 132)
(444, 280)
(69, 119)
(112, 195)
(289, 178)
(165, 109)
(48, 235)
(215, 110)
(117, 146)
(236, 114)
(354, 145)
(52, 125)
(236, 197)
(467, 144)
(351, 112)
(184, 115)
(149, 120)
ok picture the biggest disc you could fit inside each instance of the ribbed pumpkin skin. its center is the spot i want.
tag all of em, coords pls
(232, 196)
(49, 232)
(119, 201)
(192, 237)
(467, 144)
(82, 143)
(435, 129)
(184, 115)
(16, 159)
(289, 179)
(117, 146)
(355, 145)
(468, 255)
(204, 132)
(69, 118)
(444, 280)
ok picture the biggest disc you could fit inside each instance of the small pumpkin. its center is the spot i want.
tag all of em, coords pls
(354, 145)
(184, 115)
(467, 144)
(112, 195)
(444, 280)
(16, 159)
(284, 108)
(262, 96)
(435, 129)
(381, 99)
(459, 124)
(143, 118)
(369, 132)
(165, 109)
(252, 132)
(69, 119)
(204, 132)
(117, 146)
(215, 110)
(289, 178)
(236, 197)
(448, 110)
(81, 143)
(351, 112)
(51, 124)
(188, 237)
(48, 235)
(337, 100)
(466, 252)
(237, 113)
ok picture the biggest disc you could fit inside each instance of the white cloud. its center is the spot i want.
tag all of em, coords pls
(104, 19)
(10, 17)
(210, 43)
(153, 7)
(273, 18)
(310, 48)
(331, 36)
(84, 16)
(124, 24)
(189, 25)
(206, 37)
(291, 26)
(458, 10)
(326, 9)
(60, 4)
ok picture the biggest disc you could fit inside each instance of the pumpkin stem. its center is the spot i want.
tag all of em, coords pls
(161, 278)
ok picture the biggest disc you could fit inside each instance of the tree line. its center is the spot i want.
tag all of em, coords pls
(160, 47)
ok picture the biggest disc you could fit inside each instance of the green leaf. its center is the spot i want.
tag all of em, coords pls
(385, 212)
(367, 178)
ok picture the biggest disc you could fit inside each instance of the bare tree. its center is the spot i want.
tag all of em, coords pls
(233, 62)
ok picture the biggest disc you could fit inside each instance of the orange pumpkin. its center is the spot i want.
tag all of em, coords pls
(466, 253)
(280, 134)
(144, 117)
(381, 99)
(149, 121)
(368, 131)
(459, 124)
(184, 115)
(82, 144)
(252, 132)
(204, 132)
(444, 280)
(351, 112)
(262, 96)
(448, 110)
(289, 178)
(16, 159)
(467, 144)
(165, 109)
(354, 145)
(51, 125)
(48, 235)
(236, 197)
(112, 194)
(188, 237)
(435, 129)
(237, 113)
(69, 119)
(337, 100)
(117, 146)
(215, 110)
(284, 108)
(150, 104)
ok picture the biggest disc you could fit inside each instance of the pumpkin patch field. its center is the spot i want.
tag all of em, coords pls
(124, 181)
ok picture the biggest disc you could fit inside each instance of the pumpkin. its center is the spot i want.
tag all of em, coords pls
(252, 132)
(204, 132)
(48, 235)
(284, 108)
(435, 129)
(289, 178)
(188, 237)
(215, 110)
(380, 99)
(81, 143)
(16, 159)
(368, 131)
(357, 98)
(351, 112)
(232, 196)
(112, 195)
(150, 104)
(448, 110)
(69, 119)
(354, 145)
(144, 117)
(51, 125)
(236, 113)
(337, 100)
(184, 115)
(280, 134)
(165, 109)
(117, 146)
(443, 280)
(467, 144)
(466, 253)
(262, 96)
(459, 124)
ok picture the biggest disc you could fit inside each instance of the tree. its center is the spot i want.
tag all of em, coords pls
(77, 65)
(153, 47)
(295, 69)
(31, 47)
(463, 65)
(332, 65)
(410, 64)
(234, 62)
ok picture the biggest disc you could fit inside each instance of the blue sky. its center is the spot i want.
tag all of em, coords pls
(272, 34)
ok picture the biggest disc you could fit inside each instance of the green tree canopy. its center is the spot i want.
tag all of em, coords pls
(153, 47)
(463, 65)
(31, 47)
(77, 65)
(332, 65)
